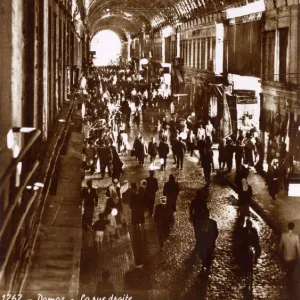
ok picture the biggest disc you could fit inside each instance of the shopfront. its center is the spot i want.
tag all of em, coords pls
(165, 80)
(279, 125)
(243, 64)
(247, 108)
(244, 101)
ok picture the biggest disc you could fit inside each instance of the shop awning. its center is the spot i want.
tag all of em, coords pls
(179, 77)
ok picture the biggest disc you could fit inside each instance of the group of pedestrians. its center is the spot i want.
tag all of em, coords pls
(142, 203)
(129, 204)
(246, 242)
(246, 150)
(249, 150)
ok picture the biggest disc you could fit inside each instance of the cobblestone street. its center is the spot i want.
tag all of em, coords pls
(175, 274)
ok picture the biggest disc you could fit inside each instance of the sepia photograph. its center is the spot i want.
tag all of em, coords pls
(149, 150)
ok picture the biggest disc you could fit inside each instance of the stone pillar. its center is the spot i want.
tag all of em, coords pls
(6, 105)
(185, 52)
(276, 56)
(206, 54)
(35, 72)
(196, 53)
(39, 58)
(192, 54)
(11, 87)
(219, 48)
(163, 47)
(294, 51)
(128, 48)
(64, 59)
(210, 48)
(17, 74)
(45, 74)
(188, 58)
(178, 44)
(200, 54)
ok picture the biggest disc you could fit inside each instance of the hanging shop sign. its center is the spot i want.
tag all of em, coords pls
(246, 19)
(203, 32)
(245, 97)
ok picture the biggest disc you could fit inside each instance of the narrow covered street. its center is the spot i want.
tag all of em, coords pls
(91, 92)
(175, 274)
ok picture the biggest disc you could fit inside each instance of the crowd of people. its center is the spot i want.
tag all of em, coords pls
(118, 101)
(115, 100)
(111, 110)
(248, 150)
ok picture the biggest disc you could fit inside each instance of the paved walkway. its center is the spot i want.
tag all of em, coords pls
(174, 273)
(277, 213)
(53, 270)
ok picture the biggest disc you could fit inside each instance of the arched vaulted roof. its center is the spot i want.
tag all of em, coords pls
(128, 26)
(136, 16)
(121, 32)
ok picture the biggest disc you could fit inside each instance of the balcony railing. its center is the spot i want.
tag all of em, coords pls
(25, 205)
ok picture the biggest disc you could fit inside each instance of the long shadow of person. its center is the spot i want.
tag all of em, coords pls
(236, 243)
(198, 290)
(139, 243)
(206, 233)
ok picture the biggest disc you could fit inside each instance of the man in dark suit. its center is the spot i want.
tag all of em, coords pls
(90, 201)
(151, 189)
(163, 219)
(171, 191)
(116, 163)
(206, 165)
(104, 156)
(206, 233)
(152, 150)
(180, 149)
(201, 148)
(163, 151)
